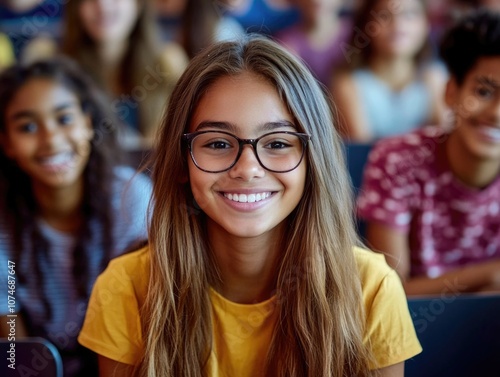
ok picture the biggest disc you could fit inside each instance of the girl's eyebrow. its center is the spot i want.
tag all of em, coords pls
(227, 126)
(485, 80)
(30, 113)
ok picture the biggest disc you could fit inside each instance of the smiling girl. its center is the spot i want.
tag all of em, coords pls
(251, 268)
(66, 206)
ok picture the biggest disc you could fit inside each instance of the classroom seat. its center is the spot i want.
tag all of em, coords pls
(356, 157)
(459, 333)
(32, 357)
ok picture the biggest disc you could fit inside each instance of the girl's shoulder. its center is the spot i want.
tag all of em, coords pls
(370, 262)
(129, 269)
(374, 272)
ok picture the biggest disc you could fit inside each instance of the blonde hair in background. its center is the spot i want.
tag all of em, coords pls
(321, 318)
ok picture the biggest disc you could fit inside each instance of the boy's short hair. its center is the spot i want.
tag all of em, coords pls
(475, 35)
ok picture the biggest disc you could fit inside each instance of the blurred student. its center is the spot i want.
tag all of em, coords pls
(117, 42)
(432, 197)
(232, 282)
(317, 37)
(388, 86)
(66, 205)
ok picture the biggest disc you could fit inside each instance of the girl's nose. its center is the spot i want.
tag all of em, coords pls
(50, 134)
(247, 167)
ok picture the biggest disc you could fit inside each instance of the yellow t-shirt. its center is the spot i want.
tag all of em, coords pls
(242, 333)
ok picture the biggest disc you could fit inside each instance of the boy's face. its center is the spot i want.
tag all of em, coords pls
(476, 104)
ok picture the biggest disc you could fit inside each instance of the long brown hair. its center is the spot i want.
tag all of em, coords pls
(143, 53)
(321, 320)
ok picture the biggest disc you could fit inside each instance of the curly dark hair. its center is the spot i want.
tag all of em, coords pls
(18, 207)
(475, 35)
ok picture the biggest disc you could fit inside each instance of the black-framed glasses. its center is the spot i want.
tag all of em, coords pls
(218, 151)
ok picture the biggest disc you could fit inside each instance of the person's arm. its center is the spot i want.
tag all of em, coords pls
(353, 125)
(472, 278)
(393, 244)
(396, 370)
(111, 368)
(483, 276)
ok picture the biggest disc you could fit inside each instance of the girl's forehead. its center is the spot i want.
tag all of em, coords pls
(245, 100)
(41, 93)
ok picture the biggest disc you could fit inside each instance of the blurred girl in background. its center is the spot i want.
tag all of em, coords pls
(388, 86)
(118, 43)
(66, 205)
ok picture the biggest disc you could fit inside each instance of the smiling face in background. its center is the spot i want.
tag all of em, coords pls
(47, 134)
(248, 107)
(109, 20)
(476, 103)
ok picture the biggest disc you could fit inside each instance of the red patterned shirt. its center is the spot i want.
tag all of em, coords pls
(408, 185)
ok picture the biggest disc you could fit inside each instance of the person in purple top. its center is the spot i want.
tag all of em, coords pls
(317, 37)
(431, 198)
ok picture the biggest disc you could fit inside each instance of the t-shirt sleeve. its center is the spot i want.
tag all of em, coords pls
(387, 188)
(390, 332)
(112, 324)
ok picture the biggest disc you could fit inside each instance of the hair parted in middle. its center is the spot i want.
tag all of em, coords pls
(321, 318)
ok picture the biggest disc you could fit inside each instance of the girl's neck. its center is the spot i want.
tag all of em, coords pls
(111, 53)
(469, 169)
(247, 266)
(60, 208)
(397, 72)
(111, 56)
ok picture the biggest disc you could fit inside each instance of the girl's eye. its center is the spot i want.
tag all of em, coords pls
(27, 128)
(65, 119)
(217, 144)
(277, 145)
(484, 92)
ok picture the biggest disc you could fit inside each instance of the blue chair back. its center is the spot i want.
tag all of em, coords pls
(30, 357)
(356, 157)
(460, 336)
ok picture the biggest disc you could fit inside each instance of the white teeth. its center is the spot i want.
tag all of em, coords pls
(58, 159)
(493, 133)
(250, 198)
